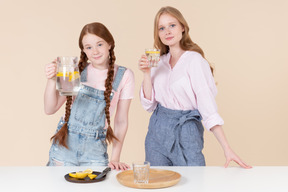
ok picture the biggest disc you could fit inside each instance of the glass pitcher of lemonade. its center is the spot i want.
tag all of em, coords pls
(68, 76)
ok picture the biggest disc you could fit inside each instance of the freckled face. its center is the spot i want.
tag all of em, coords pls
(97, 50)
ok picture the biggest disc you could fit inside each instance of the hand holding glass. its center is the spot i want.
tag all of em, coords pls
(153, 56)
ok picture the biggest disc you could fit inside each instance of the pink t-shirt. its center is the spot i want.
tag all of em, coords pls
(96, 79)
(188, 86)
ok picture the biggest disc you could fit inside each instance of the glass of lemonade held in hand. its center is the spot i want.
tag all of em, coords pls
(153, 56)
(68, 77)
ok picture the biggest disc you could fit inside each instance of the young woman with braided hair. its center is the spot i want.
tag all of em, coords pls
(82, 135)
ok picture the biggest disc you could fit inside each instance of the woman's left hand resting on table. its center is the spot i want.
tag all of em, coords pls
(231, 156)
(118, 165)
(229, 153)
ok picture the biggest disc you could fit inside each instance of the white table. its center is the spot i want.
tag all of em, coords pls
(194, 179)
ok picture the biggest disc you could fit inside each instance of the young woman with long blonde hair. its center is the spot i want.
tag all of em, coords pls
(181, 93)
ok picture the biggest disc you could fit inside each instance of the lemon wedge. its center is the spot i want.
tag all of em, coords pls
(92, 176)
(153, 52)
(73, 175)
(73, 76)
(81, 175)
(89, 171)
(61, 74)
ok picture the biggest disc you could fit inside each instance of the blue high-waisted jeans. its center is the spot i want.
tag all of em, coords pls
(175, 138)
(86, 134)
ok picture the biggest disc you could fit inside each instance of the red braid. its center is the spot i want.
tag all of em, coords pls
(108, 89)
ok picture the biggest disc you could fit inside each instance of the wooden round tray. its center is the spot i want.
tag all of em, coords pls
(158, 178)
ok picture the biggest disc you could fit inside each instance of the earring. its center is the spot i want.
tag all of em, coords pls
(88, 61)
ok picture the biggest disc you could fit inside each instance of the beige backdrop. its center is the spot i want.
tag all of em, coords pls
(245, 40)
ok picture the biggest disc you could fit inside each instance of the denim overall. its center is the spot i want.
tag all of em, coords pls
(86, 133)
(175, 138)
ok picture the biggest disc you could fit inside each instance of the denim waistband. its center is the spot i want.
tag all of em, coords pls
(82, 130)
(87, 132)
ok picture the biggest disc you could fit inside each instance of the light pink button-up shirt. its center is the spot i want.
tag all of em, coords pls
(188, 86)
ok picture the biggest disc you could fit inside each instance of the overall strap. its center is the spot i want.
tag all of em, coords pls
(119, 75)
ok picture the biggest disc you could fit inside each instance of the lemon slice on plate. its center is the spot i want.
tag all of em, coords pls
(92, 176)
(83, 174)
(89, 171)
(73, 175)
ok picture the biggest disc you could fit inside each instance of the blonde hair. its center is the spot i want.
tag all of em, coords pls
(186, 42)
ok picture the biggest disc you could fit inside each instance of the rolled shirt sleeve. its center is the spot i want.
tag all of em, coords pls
(205, 91)
(148, 105)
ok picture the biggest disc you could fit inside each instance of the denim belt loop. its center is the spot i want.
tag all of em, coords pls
(96, 135)
(157, 109)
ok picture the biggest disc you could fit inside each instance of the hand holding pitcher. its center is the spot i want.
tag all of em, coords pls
(68, 76)
(51, 70)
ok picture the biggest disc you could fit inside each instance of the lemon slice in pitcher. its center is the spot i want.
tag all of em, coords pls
(73, 76)
(61, 74)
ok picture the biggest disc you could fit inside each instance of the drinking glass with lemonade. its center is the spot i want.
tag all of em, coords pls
(153, 56)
